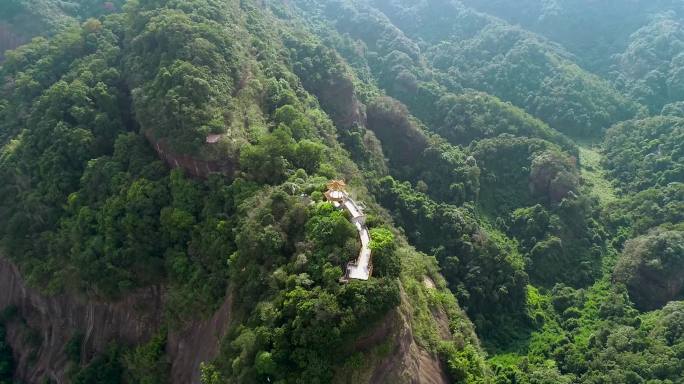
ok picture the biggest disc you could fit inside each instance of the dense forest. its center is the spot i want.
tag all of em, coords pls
(520, 166)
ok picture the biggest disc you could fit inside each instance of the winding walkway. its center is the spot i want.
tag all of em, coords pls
(362, 268)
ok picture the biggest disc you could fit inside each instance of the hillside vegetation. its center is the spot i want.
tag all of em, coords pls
(524, 194)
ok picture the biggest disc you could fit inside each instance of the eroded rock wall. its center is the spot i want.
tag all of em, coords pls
(44, 324)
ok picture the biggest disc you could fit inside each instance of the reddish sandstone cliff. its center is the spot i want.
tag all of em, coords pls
(45, 324)
(191, 165)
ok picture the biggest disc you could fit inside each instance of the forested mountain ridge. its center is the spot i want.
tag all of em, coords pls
(594, 36)
(91, 211)
(22, 20)
(513, 64)
(635, 44)
(178, 150)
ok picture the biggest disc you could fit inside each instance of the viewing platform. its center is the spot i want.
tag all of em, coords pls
(362, 268)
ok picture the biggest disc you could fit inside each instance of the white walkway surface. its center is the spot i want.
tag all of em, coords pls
(361, 268)
(353, 210)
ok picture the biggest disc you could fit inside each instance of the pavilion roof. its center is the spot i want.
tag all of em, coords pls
(337, 185)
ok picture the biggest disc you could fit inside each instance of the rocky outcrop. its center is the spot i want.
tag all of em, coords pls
(652, 268)
(554, 176)
(402, 140)
(407, 362)
(45, 324)
(323, 75)
(197, 342)
(56, 319)
(404, 362)
(9, 39)
(338, 99)
(191, 165)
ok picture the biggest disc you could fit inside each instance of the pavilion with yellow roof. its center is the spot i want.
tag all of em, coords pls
(362, 267)
(336, 191)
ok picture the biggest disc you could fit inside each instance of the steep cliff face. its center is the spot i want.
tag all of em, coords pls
(191, 165)
(45, 324)
(407, 362)
(9, 39)
(53, 321)
(338, 98)
(197, 342)
(652, 266)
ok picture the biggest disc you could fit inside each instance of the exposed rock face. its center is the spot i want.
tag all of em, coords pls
(334, 87)
(58, 318)
(401, 138)
(138, 317)
(196, 343)
(192, 166)
(338, 99)
(9, 39)
(554, 176)
(131, 321)
(652, 267)
(407, 362)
